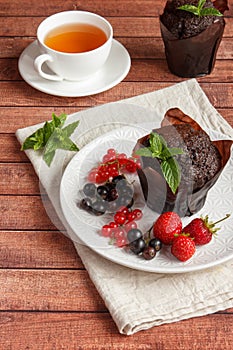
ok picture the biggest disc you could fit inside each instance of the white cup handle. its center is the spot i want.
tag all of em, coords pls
(38, 66)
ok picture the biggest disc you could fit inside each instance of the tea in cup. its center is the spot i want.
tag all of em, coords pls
(74, 44)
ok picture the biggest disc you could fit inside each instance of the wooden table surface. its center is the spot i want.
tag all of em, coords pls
(47, 300)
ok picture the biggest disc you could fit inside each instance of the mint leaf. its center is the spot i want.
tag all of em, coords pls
(48, 157)
(189, 8)
(210, 12)
(69, 129)
(158, 149)
(51, 137)
(58, 121)
(201, 4)
(199, 10)
(171, 172)
(144, 152)
(156, 145)
(170, 152)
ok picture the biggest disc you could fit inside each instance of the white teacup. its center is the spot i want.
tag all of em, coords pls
(66, 65)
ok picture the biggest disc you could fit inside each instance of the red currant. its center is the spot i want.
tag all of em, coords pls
(130, 225)
(119, 232)
(113, 224)
(131, 166)
(124, 210)
(137, 214)
(121, 242)
(106, 231)
(92, 175)
(112, 152)
(122, 156)
(131, 216)
(120, 218)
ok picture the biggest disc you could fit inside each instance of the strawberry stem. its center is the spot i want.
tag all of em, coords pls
(227, 216)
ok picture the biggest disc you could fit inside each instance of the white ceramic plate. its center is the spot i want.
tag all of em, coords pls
(114, 71)
(86, 226)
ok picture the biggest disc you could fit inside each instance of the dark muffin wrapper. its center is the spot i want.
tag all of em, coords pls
(194, 56)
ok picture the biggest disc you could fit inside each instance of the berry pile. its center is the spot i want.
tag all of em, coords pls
(107, 197)
(124, 221)
(123, 232)
(107, 188)
(183, 241)
(112, 165)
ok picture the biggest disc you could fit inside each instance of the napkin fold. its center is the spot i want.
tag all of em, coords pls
(139, 300)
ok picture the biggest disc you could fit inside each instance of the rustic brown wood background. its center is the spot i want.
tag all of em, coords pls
(47, 300)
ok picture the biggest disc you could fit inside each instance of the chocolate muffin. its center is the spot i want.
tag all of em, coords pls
(191, 41)
(183, 24)
(200, 161)
(200, 165)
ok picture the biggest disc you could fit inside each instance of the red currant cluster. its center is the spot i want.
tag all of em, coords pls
(112, 165)
(124, 221)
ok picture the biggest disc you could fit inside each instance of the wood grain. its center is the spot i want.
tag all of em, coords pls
(13, 118)
(48, 290)
(88, 331)
(25, 213)
(37, 250)
(47, 300)
(142, 27)
(219, 94)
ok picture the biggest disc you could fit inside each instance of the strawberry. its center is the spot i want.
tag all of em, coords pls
(166, 226)
(183, 247)
(201, 230)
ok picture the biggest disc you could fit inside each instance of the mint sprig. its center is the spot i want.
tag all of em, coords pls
(199, 10)
(169, 166)
(52, 137)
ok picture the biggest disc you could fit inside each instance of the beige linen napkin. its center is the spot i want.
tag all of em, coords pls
(139, 300)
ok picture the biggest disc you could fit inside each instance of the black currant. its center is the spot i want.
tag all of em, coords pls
(155, 243)
(134, 234)
(89, 189)
(149, 253)
(99, 207)
(86, 204)
(102, 191)
(118, 178)
(137, 246)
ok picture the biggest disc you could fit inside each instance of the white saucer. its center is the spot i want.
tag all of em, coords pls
(114, 71)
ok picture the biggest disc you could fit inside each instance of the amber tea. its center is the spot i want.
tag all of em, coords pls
(75, 38)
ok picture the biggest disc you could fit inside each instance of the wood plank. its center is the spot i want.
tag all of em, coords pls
(13, 118)
(25, 213)
(141, 70)
(142, 27)
(157, 70)
(37, 249)
(107, 8)
(148, 47)
(10, 149)
(23, 179)
(219, 94)
(79, 331)
(49, 290)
